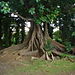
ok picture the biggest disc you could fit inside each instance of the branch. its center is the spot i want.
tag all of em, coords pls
(23, 18)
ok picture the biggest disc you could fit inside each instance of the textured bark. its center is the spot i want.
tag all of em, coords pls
(36, 40)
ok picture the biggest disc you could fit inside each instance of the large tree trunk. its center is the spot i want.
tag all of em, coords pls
(36, 40)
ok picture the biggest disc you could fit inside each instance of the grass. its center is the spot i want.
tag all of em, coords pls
(50, 68)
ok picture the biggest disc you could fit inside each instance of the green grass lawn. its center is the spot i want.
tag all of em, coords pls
(34, 67)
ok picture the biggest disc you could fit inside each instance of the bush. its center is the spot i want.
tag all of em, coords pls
(57, 36)
(68, 46)
(48, 46)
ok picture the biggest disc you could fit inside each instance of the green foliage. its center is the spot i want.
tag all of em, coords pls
(67, 55)
(53, 15)
(57, 36)
(22, 2)
(43, 18)
(4, 7)
(32, 11)
(68, 46)
(48, 46)
(42, 13)
(13, 39)
(41, 8)
(38, 21)
(18, 6)
(73, 34)
(37, 1)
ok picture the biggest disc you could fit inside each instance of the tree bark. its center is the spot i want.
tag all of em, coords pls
(36, 40)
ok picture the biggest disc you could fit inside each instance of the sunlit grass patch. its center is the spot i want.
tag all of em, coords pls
(51, 68)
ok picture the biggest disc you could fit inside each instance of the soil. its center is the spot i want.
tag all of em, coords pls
(10, 60)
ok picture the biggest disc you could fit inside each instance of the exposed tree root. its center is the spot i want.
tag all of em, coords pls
(36, 40)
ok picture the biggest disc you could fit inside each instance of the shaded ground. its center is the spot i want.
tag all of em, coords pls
(13, 64)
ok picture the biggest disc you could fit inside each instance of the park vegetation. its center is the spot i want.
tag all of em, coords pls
(44, 16)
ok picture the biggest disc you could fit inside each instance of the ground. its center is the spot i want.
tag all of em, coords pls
(13, 64)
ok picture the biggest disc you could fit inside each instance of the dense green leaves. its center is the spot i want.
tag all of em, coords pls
(48, 46)
(73, 34)
(22, 2)
(4, 7)
(68, 46)
(37, 1)
(43, 18)
(32, 11)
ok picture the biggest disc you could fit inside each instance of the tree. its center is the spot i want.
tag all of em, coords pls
(40, 14)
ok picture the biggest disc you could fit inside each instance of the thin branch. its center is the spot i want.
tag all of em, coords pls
(23, 18)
